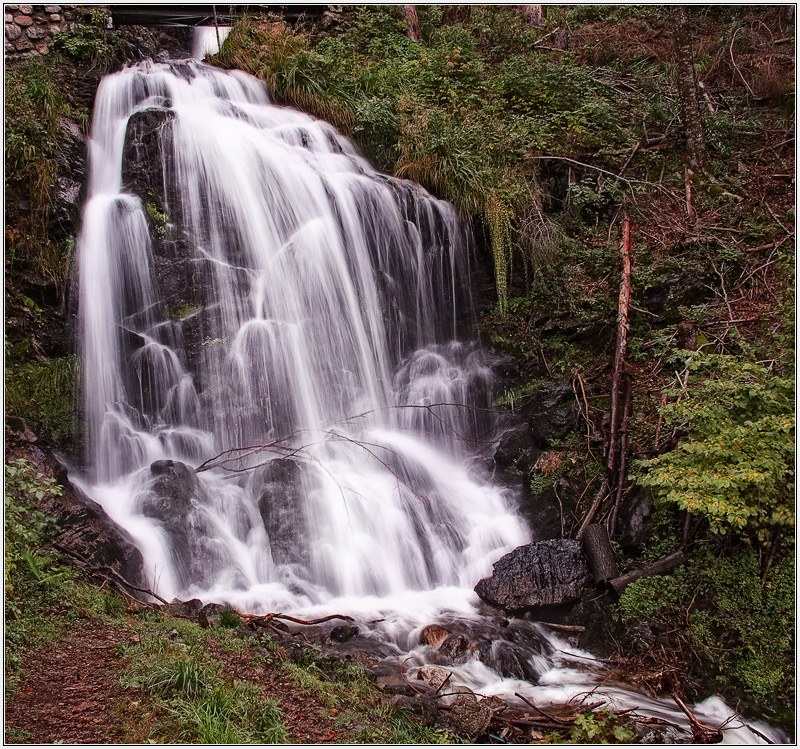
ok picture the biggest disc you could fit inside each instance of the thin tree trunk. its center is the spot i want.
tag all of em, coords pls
(621, 349)
(688, 93)
(413, 31)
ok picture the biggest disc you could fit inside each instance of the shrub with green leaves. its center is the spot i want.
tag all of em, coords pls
(26, 526)
(735, 465)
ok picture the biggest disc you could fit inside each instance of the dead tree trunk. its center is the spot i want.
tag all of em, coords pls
(688, 93)
(534, 14)
(453, 14)
(413, 31)
(621, 349)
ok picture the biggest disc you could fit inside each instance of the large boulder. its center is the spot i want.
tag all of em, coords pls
(282, 508)
(545, 573)
(177, 501)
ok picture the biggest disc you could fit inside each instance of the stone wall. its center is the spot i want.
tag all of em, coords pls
(30, 28)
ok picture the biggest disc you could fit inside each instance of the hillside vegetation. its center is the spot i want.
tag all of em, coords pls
(549, 140)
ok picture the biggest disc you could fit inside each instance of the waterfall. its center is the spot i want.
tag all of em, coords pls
(250, 287)
(278, 407)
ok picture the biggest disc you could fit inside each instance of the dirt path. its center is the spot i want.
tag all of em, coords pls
(71, 693)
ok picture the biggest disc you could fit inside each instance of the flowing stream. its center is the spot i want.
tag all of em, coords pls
(258, 303)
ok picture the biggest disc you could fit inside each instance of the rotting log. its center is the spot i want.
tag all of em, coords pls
(599, 554)
(660, 567)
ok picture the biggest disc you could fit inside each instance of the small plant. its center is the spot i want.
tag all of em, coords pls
(600, 727)
(229, 619)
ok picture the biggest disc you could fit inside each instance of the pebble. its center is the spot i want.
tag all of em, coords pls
(13, 31)
(26, 9)
(52, 8)
(23, 43)
(55, 16)
(35, 32)
(22, 20)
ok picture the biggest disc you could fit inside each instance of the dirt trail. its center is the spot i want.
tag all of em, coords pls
(71, 694)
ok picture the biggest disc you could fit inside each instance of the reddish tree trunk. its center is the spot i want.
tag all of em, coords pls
(409, 12)
(534, 14)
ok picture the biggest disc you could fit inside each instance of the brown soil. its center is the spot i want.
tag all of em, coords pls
(71, 690)
(71, 694)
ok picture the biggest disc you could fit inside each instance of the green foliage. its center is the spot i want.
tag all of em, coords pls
(41, 393)
(737, 465)
(741, 626)
(26, 526)
(33, 579)
(231, 714)
(206, 707)
(460, 113)
(88, 42)
(33, 103)
(599, 727)
(229, 619)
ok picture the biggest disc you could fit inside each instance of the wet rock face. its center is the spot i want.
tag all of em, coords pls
(175, 498)
(85, 527)
(546, 573)
(98, 539)
(280, 502)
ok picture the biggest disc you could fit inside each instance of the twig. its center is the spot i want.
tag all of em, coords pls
(777, 220)
(542, 712)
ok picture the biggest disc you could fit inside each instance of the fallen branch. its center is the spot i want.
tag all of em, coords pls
(103, 570)
(660, 567)
(266, 618)
(706, 733)
(542, 712)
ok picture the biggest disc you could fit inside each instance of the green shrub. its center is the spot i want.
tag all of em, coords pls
(736, 464)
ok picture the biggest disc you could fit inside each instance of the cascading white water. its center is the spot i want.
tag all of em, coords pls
(319, 291)
(257, 302)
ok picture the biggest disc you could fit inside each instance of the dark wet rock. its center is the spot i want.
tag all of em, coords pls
(635, 522)
(147, 140)
(518, 449)
(667, 298)
(545, 573)
(511, 660)
(85, 528)
(88, 531)
(280, 502)
(343, 633)
(175, 498)
(467, 716)
(552, 412)
(157, 42)
(188, 609)
(389, 678)
(456, 649)
(433, 676)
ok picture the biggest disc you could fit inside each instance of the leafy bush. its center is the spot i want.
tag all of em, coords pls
(736, 466)
(88, 42)
(26, 526)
